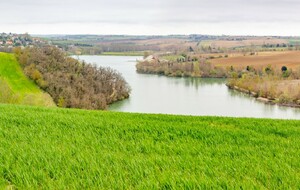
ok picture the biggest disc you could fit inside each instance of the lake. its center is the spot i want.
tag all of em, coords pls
(185, 96)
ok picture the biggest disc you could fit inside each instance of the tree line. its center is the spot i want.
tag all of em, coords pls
(183, 66)
(70, 82)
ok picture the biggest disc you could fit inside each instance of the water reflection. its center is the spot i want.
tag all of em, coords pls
(266, 107)
(197, 82)
(185, 96)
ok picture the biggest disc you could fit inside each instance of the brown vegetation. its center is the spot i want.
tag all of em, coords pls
(71, 83)
(291, 59)
(277, 83)
(184, 66)
(282, 88)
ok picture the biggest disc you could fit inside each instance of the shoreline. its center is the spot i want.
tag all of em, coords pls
(180, 76)
(270, 101)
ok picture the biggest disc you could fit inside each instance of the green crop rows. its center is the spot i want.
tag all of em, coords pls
(51, 148)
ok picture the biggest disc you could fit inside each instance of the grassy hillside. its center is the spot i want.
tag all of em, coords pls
(51, 148)
(16, 88)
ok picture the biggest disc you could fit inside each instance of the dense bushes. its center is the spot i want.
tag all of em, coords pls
(72, 83)
(180, 68)
(277, 87)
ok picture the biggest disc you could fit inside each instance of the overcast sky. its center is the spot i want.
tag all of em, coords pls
(231, 17)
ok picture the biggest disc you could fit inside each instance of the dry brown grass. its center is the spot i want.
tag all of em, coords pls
(282, 91)
(291, 59)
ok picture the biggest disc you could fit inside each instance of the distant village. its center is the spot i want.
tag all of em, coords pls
(9, 40)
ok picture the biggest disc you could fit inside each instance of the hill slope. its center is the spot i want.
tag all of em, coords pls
(76, 149)
(16, 88)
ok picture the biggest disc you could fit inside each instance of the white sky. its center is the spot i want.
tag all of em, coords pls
(149, 17)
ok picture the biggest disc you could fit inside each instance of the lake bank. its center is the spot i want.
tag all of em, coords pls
(270, 101)
(185, 96)
(270, 90)
(260, 80)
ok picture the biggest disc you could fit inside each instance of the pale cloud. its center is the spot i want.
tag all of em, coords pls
(257, 17)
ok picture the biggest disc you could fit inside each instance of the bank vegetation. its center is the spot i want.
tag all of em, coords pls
(180, 66)
(70, 82)
(268, 83)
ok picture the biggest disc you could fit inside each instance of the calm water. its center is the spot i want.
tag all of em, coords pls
(185, 96)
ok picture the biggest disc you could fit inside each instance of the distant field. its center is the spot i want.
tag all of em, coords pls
(16, 88)
(248, 42)
(44, 148)
(95, 44)
(291, 59)
(123, 53)
(160, 44)
(295, 42)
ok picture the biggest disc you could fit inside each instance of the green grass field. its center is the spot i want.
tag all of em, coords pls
(51, 148)
(16, 88)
